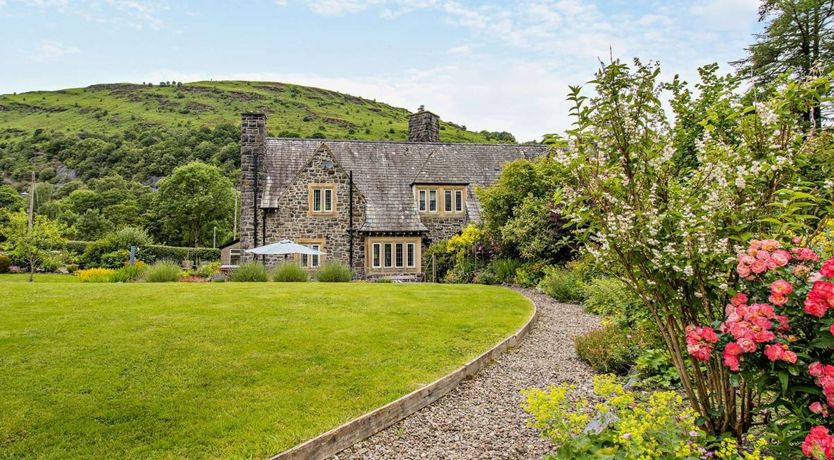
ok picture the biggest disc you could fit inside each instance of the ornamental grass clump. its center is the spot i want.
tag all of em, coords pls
(334, 272)
(162, 271)
(249, 272)
(289, 273)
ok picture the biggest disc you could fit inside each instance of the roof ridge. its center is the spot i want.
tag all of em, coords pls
(366, 141)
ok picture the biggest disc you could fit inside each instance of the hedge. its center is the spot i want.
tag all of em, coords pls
(152, 252)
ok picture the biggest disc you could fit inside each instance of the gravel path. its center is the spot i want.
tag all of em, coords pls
(482, 417)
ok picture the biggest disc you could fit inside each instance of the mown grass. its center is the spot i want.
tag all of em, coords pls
(39, 278)
(223, 370)
(296, 109)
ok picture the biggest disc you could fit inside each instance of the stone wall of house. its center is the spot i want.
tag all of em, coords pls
(252, 148)
(443, 228)
(292, 220)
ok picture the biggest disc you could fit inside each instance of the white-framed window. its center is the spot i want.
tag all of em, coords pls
(410, 255)
(234, 256)
(432, 200)
(322, 199)
(376, 256)
(458, 200)
(422, 200)
(393, 254)
(398, 254)
(447, 201)
(389, 259)
(310, 261)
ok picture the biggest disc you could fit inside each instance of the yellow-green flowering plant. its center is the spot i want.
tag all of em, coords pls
(624, 425)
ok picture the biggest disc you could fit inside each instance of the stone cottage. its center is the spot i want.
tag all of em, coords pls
(374, 205)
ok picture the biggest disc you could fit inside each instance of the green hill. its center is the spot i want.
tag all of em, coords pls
(141, 132)
(292, 109)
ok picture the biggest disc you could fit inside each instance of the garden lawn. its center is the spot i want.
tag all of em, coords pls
(39, 278)
(223, 370)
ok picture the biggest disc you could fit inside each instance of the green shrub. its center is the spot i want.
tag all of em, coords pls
(612, 348)
(562, 284)
(530, 275)
(486, 276)
(612, 298)
(334, 272)
(162, 271)
(208, 270)
(505, 269)
(126, 237)
(249, 272)
(127, 274)
(462, 272)
(5, 263)
(114, 259)
(289, 272)
(155, 252)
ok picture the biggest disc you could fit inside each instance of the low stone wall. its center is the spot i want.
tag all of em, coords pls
(348, 434)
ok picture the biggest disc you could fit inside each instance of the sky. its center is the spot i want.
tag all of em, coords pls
(496, 65)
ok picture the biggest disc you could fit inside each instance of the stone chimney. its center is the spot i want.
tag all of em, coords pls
(423, 126)
(252, 148)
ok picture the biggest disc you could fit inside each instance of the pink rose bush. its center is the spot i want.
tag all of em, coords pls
(778, 333)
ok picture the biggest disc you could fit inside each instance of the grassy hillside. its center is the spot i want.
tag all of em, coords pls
(294, 111)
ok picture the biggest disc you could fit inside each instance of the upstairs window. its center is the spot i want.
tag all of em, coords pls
(445, 201)
(322, 199)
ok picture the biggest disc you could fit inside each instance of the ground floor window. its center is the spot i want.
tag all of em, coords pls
(234, 256)
(310, 261)
(393, 254)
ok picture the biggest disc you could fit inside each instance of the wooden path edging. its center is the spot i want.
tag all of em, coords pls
(340, 438)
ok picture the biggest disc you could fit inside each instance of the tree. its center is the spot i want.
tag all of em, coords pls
(798, 36)
(31, 246)
(9, 198)
(192, 200)
(668, 235)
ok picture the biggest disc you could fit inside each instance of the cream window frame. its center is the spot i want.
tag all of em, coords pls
(391, 243)
(322, 190)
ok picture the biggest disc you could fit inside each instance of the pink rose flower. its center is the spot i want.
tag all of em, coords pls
(758, 267)
(827, 269)
(781, 286)
(781, 257)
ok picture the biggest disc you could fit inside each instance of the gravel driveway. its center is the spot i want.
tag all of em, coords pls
(482, 417)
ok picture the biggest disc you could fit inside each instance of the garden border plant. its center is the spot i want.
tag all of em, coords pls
(663, 207)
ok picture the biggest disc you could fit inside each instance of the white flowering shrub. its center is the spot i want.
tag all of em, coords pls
(670, 228)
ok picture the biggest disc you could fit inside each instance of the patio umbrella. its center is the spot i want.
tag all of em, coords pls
(284, 247)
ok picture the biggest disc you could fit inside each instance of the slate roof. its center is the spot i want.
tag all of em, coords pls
(384, 173)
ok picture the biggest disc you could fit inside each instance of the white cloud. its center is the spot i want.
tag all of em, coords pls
(48, 51)
(462, 49)
(136, 14)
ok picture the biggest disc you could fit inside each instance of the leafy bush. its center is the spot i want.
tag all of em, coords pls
(334, 272)
(114, 259)
(486, 276)
(155, 252)
(289, 273)
(208, 270)
(610, 297)
(249, 272)
(625, 425)
(162, 271)
(95, 275)
(562, 284)
(5, 263)
(611, 349)
(655, 370)
(463, 271)
(505, 269)
(126, 237)
(530, 275)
